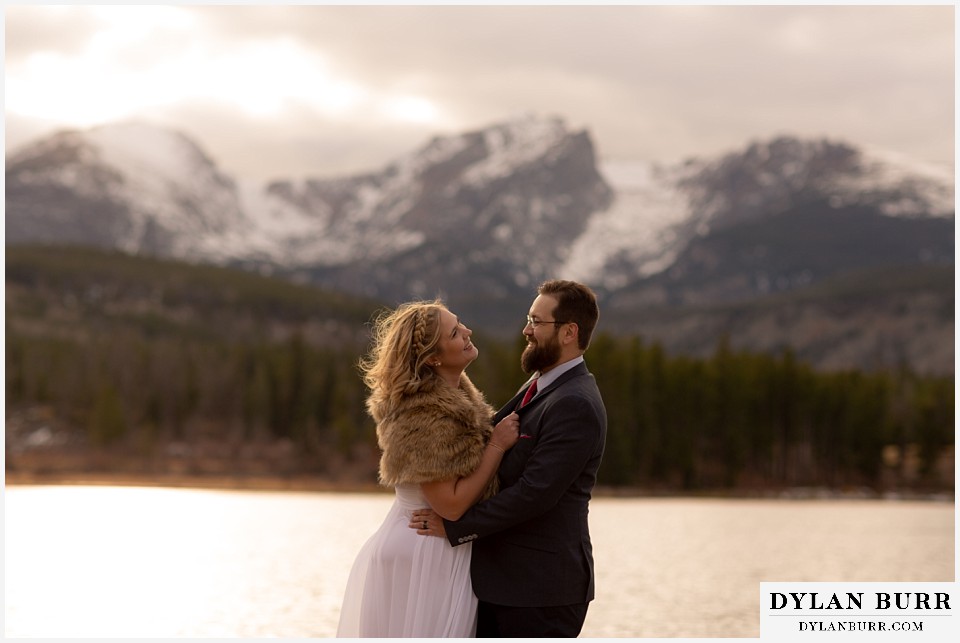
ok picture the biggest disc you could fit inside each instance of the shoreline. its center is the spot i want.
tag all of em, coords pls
(218, 482)
(323, 485)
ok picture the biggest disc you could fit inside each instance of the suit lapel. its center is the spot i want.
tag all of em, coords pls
(513, 404)
(579, 369)
(510, 406)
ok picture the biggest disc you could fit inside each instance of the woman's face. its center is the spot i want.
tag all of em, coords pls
(454, 348)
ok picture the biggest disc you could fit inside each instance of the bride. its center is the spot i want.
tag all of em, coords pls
(439, 450)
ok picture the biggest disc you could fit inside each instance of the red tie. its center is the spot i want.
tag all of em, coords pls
(529, 394)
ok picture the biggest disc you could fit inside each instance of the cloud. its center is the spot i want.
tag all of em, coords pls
(274, 90)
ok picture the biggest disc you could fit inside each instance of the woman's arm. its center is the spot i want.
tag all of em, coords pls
(451, 498)
(565, 457)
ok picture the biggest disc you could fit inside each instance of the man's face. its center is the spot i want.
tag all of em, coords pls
(543, 345)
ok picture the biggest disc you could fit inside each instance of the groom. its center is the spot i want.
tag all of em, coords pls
(532, 563)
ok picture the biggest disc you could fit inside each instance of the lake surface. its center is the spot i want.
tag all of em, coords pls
(155, 562)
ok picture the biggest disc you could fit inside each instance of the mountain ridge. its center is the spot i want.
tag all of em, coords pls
(694, 195)
(483, 216)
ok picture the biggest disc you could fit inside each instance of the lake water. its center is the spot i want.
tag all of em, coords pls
(155, 562)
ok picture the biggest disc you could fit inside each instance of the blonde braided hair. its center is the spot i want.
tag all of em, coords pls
(403, 342)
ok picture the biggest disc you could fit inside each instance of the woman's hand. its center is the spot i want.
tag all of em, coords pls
(427, 523)
(451, 498)
(506, 433)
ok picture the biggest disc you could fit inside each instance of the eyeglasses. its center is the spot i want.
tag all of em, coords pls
(539, 322)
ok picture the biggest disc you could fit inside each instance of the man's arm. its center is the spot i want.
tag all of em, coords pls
(568, 439)
(451, 498)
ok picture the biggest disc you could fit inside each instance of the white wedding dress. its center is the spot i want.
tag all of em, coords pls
(403, 584)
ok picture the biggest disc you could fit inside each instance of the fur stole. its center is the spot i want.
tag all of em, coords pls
(437, 433)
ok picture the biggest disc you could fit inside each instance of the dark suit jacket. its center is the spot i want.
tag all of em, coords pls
(531, 540)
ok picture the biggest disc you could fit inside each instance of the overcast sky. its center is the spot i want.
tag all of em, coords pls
(273, 91)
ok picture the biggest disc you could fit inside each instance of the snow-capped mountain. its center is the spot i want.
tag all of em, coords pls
(489, 195)
(658, 211)
(491, 212)
(130, 186)
(486, 195)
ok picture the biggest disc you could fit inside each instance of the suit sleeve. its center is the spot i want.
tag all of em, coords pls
(570, 436)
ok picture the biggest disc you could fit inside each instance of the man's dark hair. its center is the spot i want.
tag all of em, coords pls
(575, 303)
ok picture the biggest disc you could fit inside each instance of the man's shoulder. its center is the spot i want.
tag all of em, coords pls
(579, 384)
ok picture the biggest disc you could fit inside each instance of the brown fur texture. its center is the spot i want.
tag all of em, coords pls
(437, 433)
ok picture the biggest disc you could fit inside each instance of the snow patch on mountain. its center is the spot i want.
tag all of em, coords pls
(924, 189)
(166, 180)
(302, 231)
(514, 144)
(146, 150)
(439, 150)
(263, 231)
(640, 228)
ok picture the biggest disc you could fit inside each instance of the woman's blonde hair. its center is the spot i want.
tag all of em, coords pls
(403, 340)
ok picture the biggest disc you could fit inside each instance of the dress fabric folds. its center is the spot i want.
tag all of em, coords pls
(404, 585)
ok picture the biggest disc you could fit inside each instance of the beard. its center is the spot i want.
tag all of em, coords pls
(539, 355)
